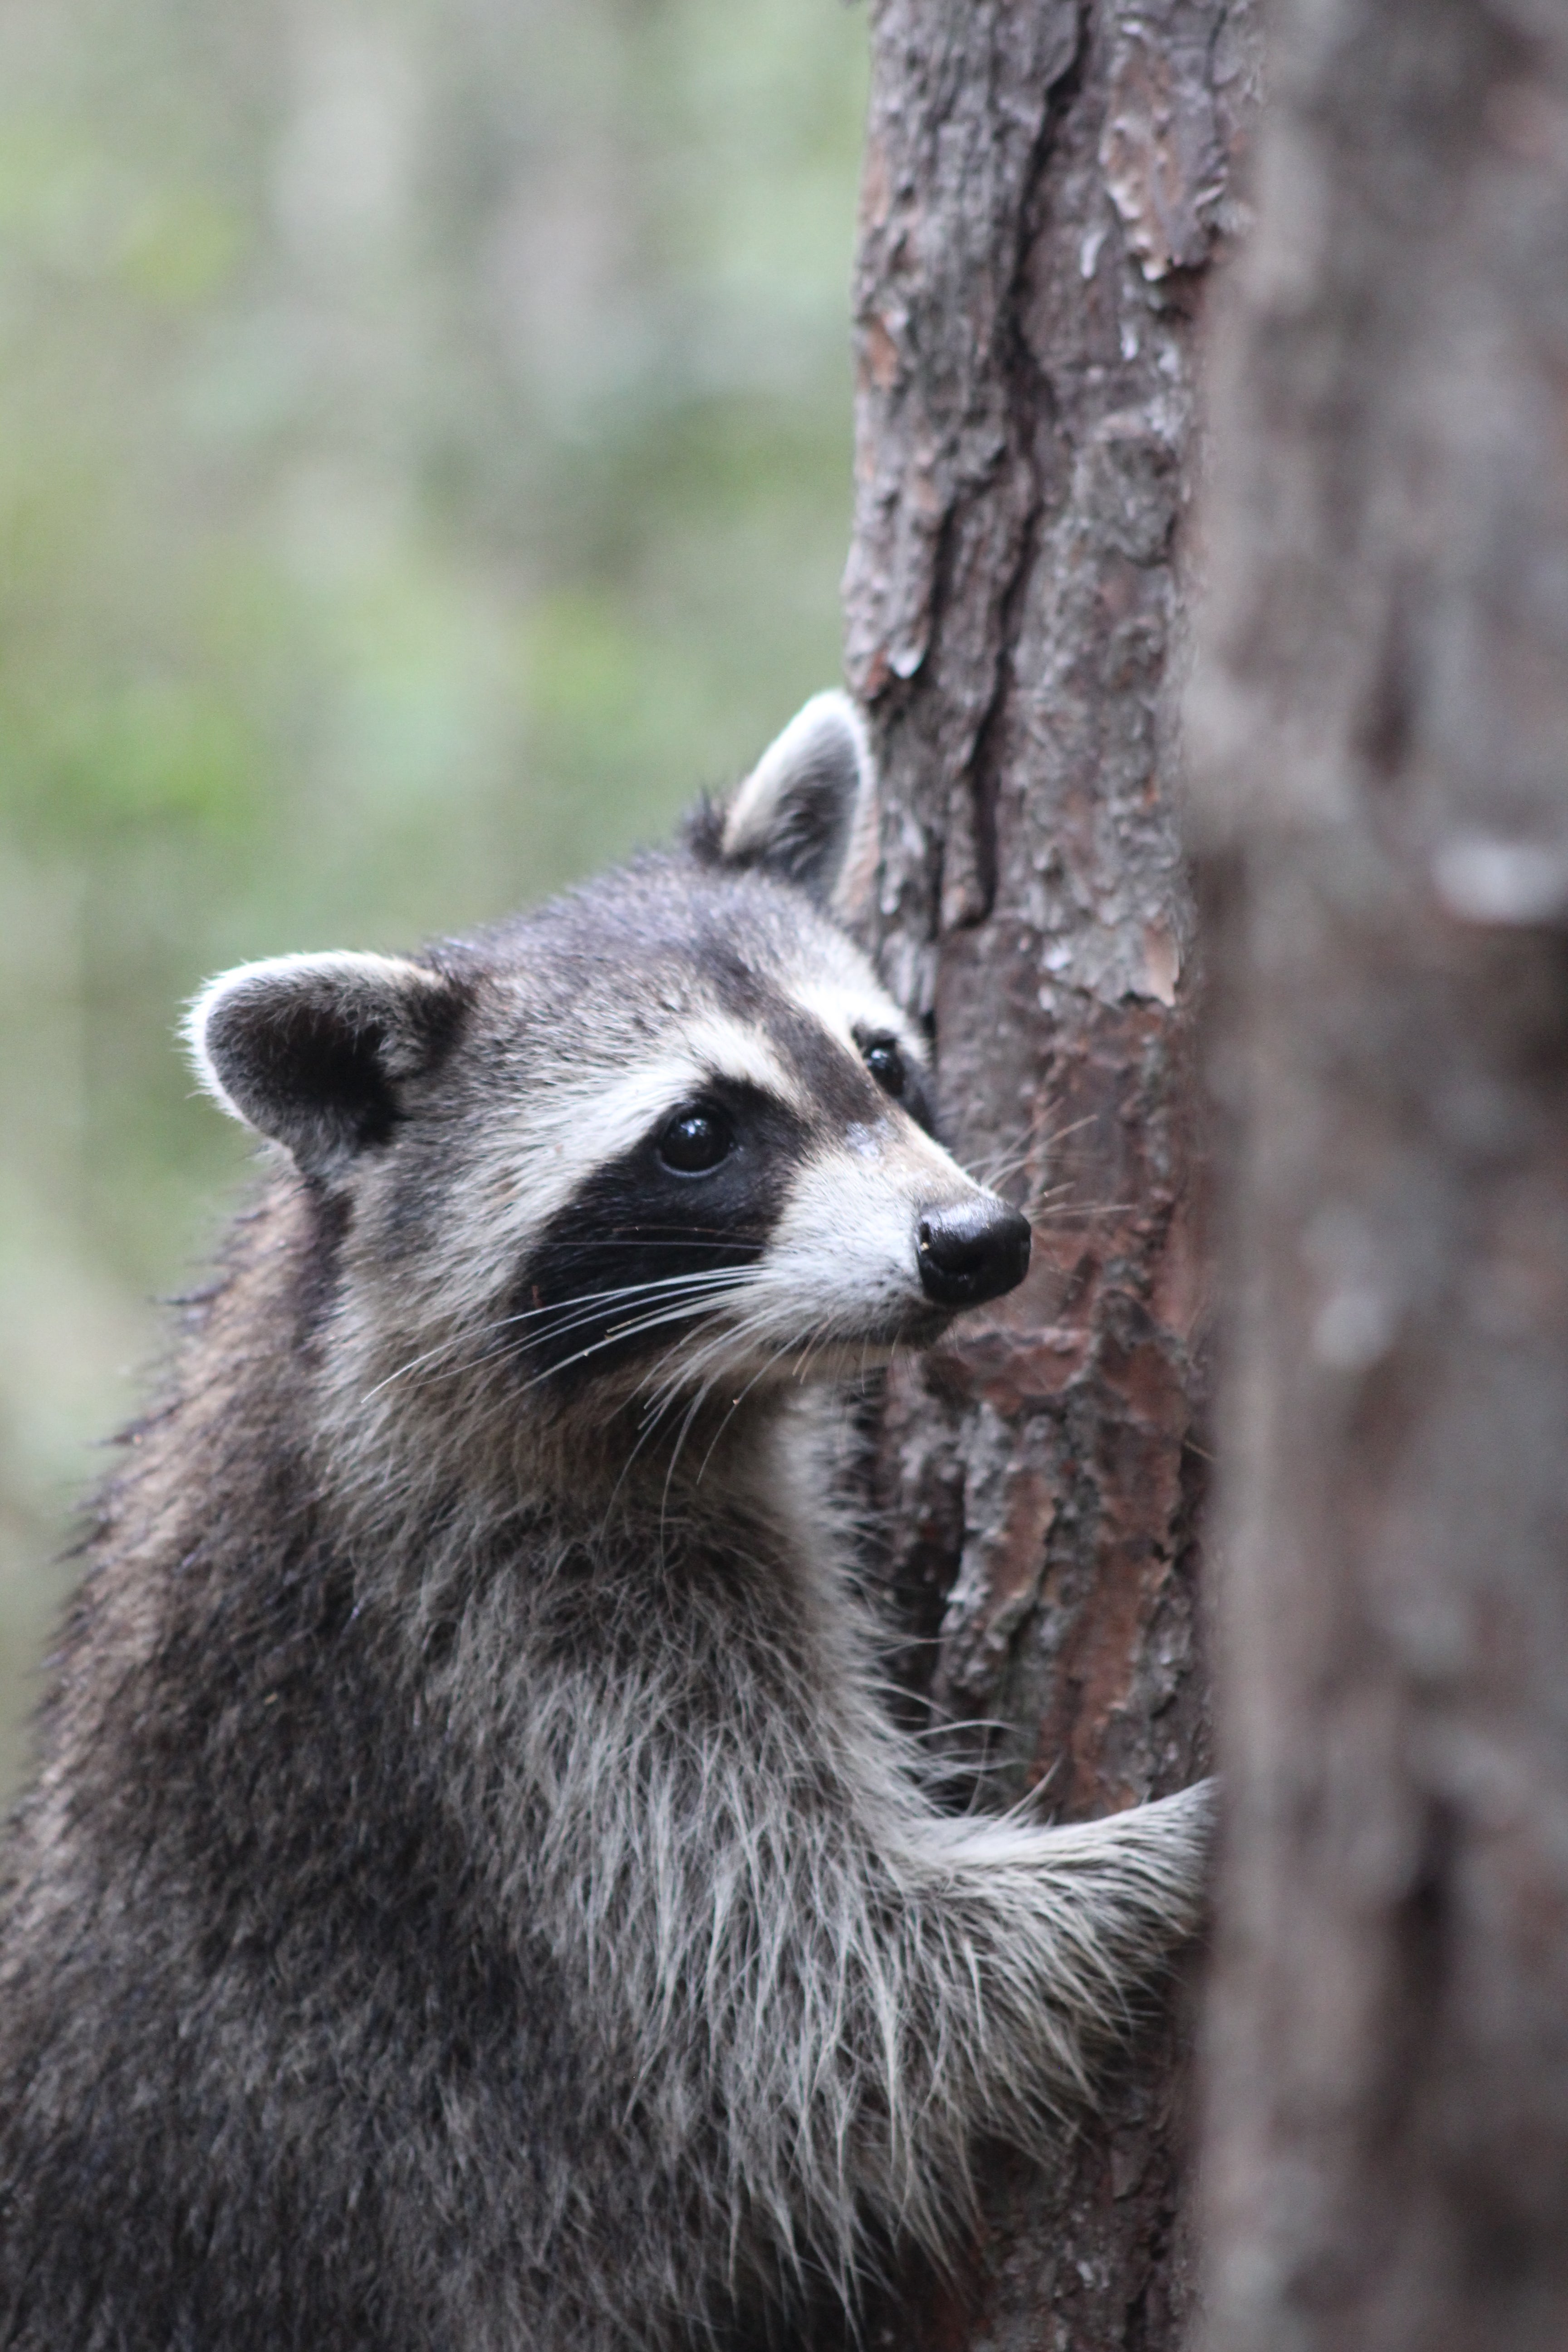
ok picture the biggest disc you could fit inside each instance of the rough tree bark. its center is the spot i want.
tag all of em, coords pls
(1045, 186)
(1380, 757)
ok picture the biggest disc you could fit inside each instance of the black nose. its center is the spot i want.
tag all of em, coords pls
(971, 1252)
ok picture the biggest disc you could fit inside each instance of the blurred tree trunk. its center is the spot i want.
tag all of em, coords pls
(1380, 757)
(1045, 186)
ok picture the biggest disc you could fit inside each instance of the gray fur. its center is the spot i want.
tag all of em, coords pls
(470, 1896)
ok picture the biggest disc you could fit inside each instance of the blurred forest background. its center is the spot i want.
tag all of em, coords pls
(424, 449)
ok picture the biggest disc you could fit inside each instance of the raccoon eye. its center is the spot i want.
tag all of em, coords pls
(696, 1141)
(886, 1065)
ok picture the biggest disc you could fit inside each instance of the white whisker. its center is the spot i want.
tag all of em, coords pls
(590, 1302)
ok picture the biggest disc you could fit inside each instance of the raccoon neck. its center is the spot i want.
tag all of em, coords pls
(736, 1524)
(475, 1534)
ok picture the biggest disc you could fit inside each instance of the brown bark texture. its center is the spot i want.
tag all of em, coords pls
(1379, 754)
(1046, 185)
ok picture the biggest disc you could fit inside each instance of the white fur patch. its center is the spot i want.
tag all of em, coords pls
(843, 1006)
(844, 1250)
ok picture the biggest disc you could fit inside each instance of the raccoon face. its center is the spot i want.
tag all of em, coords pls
(668, 1132)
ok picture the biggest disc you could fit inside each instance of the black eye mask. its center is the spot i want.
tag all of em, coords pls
(642, 1249)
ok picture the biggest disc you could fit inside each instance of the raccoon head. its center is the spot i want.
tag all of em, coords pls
(668, 1132)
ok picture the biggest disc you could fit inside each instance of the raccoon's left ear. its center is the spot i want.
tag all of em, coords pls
(318, 1051)
(807, 809)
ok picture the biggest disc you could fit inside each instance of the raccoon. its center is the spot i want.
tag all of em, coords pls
(471, 1896)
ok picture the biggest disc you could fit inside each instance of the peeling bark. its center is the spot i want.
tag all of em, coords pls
(1380, 755)
(1045, 186)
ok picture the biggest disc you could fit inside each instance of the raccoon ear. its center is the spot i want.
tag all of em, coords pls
(804, 808)
(315, 1051)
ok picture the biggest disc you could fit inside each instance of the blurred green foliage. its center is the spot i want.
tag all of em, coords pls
(424, 461)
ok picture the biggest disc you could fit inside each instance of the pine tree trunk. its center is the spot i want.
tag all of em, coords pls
(1380, 759)
(1045, 188)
